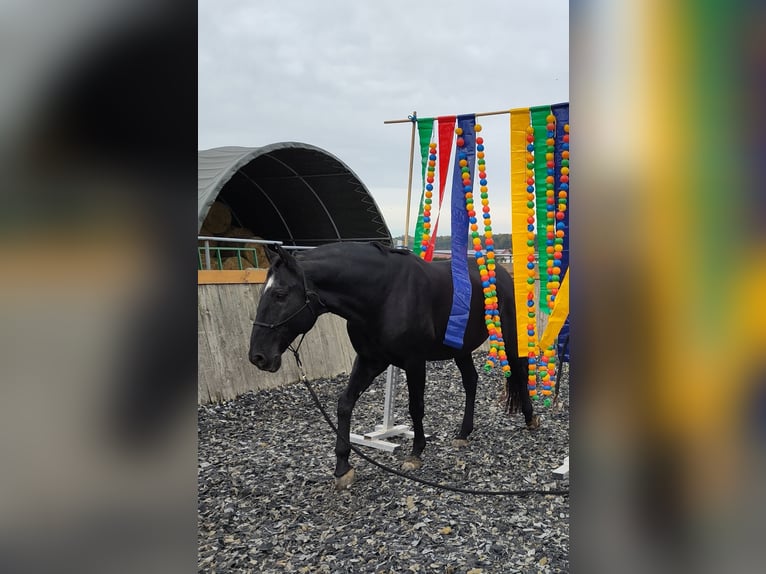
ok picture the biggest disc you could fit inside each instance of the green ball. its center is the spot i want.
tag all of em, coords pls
(530, 280)
(530, 242)
(547, 402)
(530, 204)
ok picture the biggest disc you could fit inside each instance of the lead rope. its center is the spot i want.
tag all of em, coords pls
(397, 472)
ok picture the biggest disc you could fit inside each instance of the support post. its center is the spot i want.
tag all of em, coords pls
(388, 428)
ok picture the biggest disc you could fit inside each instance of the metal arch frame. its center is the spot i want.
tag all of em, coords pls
(303, 180)
(266, 195)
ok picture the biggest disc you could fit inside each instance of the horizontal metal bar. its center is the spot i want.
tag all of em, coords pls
(237, 240)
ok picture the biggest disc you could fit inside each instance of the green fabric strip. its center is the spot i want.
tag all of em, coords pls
(539, 115)
(425, 129)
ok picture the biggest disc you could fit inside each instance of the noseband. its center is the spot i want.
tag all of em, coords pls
(306, 303)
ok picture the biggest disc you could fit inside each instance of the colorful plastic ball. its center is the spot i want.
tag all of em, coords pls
(477, 127)
(459, 131)
(560, 215)
(460, 142)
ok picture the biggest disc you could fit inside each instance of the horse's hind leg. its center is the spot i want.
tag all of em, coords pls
(363, 373)
(416, 385)
(470, 378)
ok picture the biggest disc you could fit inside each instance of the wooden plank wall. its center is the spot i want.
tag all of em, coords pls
(225, 316)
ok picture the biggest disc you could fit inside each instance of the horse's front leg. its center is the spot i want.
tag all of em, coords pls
(470, 378)
(416, 385)
(363, 373)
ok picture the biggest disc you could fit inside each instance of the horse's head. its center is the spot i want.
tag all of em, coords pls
(287, 309)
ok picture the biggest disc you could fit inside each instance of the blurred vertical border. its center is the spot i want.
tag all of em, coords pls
(98, 150)
(669, 322)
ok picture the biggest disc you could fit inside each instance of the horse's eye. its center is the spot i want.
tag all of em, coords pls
(280, 295)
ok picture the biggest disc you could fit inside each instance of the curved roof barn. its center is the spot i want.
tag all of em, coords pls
(292, 192)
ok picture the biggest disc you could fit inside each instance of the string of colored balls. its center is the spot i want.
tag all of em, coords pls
(531, 265)
(484, 251)
(430, 173)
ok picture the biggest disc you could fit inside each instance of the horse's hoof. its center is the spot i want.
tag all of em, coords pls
(412, 463)
(460, 442)
(534, 423)
(345, 481)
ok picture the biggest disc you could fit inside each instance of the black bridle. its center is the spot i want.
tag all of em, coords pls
(306, 303)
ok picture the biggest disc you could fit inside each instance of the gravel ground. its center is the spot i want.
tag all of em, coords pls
(267, 502)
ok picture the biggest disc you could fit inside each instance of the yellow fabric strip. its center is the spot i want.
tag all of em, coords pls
(558, 316)
(519, 122)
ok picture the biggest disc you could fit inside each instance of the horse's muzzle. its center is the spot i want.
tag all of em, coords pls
(265, 364)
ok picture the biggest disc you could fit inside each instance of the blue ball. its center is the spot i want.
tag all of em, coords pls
(480, 147)
(432, 157)
(560, 225)
(551, 172)
(564, 186)
(530, 303)
(492, 280)
(530, 265)
(426, 218)
(429, 187)
(483, 181)
(490, 247)
(530, 189)
(485, 215)
(530, 333)
(472, 219)
(530, 147)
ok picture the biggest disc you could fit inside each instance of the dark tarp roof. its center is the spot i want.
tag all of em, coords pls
(292, 192)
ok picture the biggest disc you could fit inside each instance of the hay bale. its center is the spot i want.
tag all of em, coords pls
(218, 219)
(260, 250)
(233, 263)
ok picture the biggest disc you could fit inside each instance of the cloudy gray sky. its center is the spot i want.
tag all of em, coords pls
(330, 73)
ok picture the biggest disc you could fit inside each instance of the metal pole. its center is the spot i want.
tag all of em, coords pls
(207, 254)
(388, 404)
(414, 121)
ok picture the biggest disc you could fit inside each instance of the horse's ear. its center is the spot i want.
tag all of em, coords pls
(274, 250)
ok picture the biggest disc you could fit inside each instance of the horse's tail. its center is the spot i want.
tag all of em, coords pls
(515, 387)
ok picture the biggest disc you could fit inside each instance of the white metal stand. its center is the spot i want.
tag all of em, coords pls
(562, 471)
(388, 428)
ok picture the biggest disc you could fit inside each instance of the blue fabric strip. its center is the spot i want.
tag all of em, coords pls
(461, 284)
(561, 112)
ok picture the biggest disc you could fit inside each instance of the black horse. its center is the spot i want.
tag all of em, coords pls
(397, 307)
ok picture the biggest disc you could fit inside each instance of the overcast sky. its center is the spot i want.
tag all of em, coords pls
(330, 73)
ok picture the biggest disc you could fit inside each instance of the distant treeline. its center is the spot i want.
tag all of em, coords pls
(502, 241)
